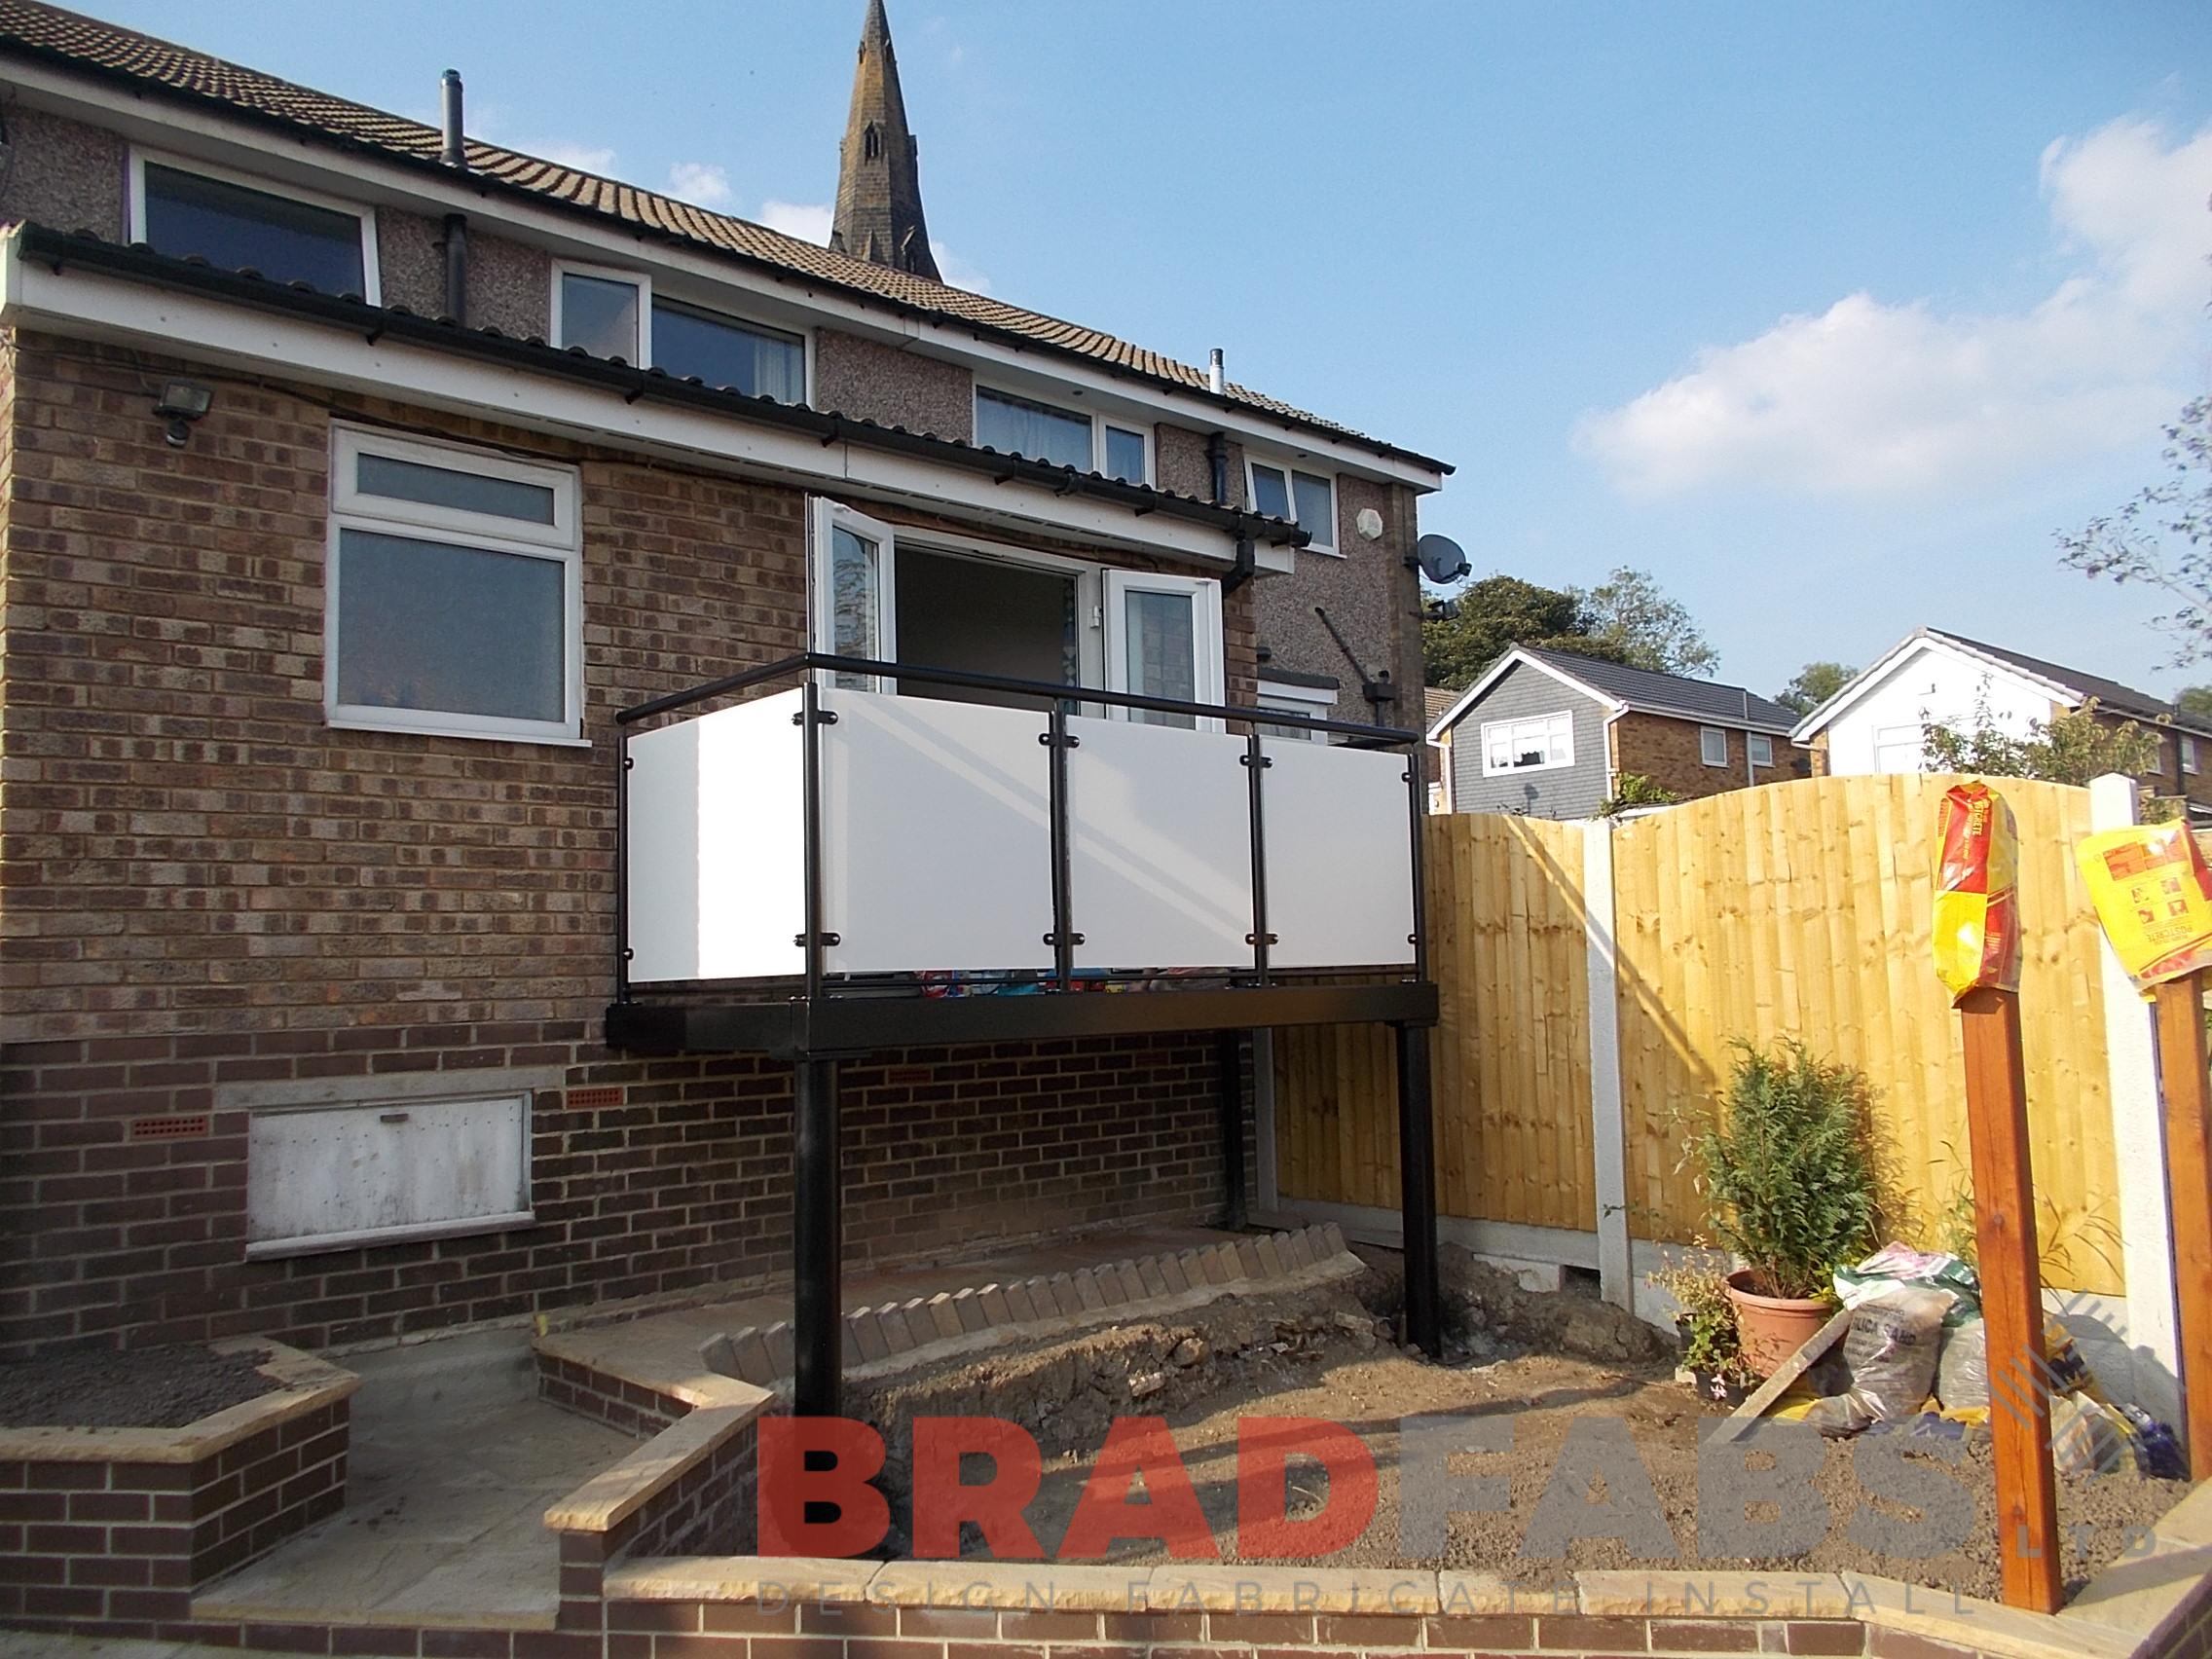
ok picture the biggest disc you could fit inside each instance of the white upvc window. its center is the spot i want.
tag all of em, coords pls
(1286, 491)
(453, 596)
(1762, 749)
(1015, 425)
(1712, 746)
(1537, 744)
(610, 312)
(1315, 702)
(1164, 639)
(853, 578)
(2188, 753)
(192, 210)
(606, 311)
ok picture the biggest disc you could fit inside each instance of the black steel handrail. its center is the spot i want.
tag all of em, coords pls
(1043, 689)
(814, 940)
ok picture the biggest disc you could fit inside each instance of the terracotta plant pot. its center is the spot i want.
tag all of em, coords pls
(1769, 1328)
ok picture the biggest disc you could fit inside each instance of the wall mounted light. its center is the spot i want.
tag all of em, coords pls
(182, 402)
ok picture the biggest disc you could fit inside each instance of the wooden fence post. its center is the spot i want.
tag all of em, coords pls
(2139, 1152)
(1616, 1278)
(2182, 1065)
(2012, 1297)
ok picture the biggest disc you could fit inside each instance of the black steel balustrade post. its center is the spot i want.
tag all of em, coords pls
(1416, 809)
(810, 781)
(622, 864)
(1259, 939)
(1063, 938)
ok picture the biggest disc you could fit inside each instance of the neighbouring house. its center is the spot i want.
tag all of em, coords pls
(442, 888)
(1876, 722)
(1551, 734)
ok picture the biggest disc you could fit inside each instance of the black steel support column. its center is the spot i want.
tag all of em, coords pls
(1229, 1065)
(817, 1235)
(1417, 1182)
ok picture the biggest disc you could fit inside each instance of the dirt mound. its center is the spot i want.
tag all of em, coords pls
(1488, 1315)
(162, 1387)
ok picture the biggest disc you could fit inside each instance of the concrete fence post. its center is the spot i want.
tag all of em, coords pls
(1617, 1282)
(2139, 1151)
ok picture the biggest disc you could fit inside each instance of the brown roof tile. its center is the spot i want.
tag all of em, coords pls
(31, 29)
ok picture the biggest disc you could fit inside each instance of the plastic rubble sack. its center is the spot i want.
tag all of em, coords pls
(2158, 1450)
(1896, 1263)
(2088, 1437)
(1962, 1369)
(1977, 904)
(1890, 1349)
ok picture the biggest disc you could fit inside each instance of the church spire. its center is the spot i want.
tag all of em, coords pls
(879, 188)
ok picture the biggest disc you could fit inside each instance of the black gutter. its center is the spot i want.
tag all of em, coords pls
(143, 86)
(380, 322)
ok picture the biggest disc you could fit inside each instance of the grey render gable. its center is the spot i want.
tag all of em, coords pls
(1524, 691)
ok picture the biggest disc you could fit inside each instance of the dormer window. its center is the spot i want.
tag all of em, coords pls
(616, 313)
(599, 311)
(1064, 437)
(191, 211)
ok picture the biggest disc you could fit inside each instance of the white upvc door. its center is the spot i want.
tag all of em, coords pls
(853, 578)
(1164, 639)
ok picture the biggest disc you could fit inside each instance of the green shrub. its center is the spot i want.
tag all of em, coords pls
(1786, 1169)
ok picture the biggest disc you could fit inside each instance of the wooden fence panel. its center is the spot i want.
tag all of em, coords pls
(1803, 909)
(1511, 1052)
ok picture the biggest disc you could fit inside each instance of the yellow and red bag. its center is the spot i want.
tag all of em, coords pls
(1978, 902)
(2153, 894)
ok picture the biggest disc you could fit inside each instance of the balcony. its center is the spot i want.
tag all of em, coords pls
(897, 849)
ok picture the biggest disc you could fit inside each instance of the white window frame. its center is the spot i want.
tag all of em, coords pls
(372, 282)
(1277, 463)
(2189, 761)
(829, 515)
(677, 296)
(560, 542)
(1313, 701)
(1508, 725)
(637, 279)
(1761, 747)
(1099, 421)
(1704, 747)
(1208, 673)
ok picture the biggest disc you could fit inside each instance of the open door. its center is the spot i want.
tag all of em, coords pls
(1164, 639)
(852, 577)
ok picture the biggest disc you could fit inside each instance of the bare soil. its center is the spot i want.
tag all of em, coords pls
(160, 1387)
(1329, 1354)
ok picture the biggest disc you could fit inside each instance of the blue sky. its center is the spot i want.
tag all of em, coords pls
(1828, 315)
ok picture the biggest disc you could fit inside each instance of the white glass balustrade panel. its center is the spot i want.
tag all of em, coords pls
(1160, 847)
(715, 834)
(937, 838)
(1339, 860)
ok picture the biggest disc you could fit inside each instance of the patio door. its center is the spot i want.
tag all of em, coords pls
(1164, 639)
(852, 578)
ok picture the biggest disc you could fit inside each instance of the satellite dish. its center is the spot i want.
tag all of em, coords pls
(1440, 559)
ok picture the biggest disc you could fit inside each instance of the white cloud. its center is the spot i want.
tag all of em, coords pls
(584, 157)
(957, 272)
(1874, 398)
(700, 182)
(809, 221)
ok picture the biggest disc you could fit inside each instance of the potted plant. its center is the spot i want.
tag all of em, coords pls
(1705, 1322)
(1790, 1189)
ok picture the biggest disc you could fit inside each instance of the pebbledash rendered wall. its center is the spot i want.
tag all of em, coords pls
(214, 902)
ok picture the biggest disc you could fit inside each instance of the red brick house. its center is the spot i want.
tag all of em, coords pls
(397, 939)
(1552, 735)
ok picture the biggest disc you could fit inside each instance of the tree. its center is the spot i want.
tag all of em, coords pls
(1815, 685)
(1465, 634)
(2163, 537)
(2194, 700)
(2070, 748)
(1629, 611)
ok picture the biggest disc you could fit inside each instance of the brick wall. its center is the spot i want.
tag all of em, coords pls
(127, 1543)
(1667, 753)
(206, 889)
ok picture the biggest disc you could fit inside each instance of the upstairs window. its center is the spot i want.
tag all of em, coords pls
(599, 312)
(1534, 744)
(1762, 749)
(236, 224)
(1063, 437)
(1712, 746)
(453, 592)
(1307, 499)
(2189, 754)
(761, 362)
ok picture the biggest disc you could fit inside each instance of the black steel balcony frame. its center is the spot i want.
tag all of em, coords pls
(813, 1021)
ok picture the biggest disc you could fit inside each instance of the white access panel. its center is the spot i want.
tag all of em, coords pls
(1338, 856)
(938, 838)
(325, 1177)
(717, 836)
(1160, 846)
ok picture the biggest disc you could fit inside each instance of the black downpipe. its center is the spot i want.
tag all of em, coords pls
(1217, 457)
